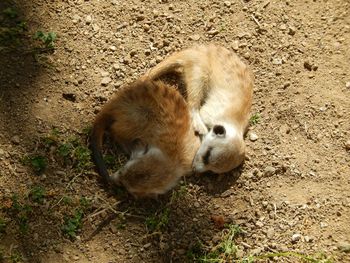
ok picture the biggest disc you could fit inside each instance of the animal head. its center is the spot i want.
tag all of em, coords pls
(148, 173)
(222, 149)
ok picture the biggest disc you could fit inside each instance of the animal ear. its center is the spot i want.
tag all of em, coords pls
(219, 130)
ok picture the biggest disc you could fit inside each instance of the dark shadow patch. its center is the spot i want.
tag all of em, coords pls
(217, 184)
(19, 68)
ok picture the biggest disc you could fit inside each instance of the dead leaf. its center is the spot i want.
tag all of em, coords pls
(219, 221)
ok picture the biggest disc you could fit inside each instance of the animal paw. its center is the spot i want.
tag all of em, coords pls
(115, 177)
(198, 125)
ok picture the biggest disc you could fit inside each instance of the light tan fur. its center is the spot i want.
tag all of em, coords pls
(219, 93)
(151, 121)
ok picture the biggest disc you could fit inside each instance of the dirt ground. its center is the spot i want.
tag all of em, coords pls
(290, 199)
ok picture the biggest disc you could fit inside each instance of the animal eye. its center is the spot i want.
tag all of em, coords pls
(219, 130)
(206, 156)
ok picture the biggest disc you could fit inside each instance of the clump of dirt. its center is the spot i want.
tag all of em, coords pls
(60, 62)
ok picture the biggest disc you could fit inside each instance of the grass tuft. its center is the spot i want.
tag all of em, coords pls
(255, 118)
(158, 221)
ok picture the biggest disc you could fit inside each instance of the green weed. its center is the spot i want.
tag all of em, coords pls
(37, 162)
(179, 193)
(37, 194)
(255, 118)
(2, 255)
(3, 224)
(11, 29)
(48, 39)
(195, 252)
(158, 221)
(10, 13)
(67, 200)
(225, 251)
(87, 130)
(73, 224)
(122, 221)
(16, 257)
(21, 213)
(76, 154)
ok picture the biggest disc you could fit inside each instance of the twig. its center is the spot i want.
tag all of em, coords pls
(256, 21)
(67, 186)
(164, 28)
(103, 210)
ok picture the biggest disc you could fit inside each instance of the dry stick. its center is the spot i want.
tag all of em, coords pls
(103, 210)
(67, 186)
(110, 218)
(164, 28)
(256, 20)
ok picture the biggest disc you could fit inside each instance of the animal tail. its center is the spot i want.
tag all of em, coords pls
(168, 65)
(102, 122)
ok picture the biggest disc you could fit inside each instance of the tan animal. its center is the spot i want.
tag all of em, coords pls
(219, 94)
(151, 121)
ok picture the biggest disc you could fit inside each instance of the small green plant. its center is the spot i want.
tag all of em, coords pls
(10, 12)
(67, 200)
(37, 194)
(75, 153)
(158, 221)
(195, 252)
(37, 162)
(73, 224)
(16, 257)
(48, 39)
(84, 203)
(225, 251)
(255, 118)
(21, 213)
(87, 130)
(2, 255)
(122, 221)
(179, 193)
(3, 224)
(82, 156)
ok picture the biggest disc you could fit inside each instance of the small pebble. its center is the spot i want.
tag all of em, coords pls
(253, 137)
(291, 30)
(347, 145)
(195, 37)
(270, 233)
(15, 139)
(88, 19)
(347, 85)
(105, 81)
(104, 73)
(308, 65)
(147, 245)
(277, 61)
(76, 19)
(227, 3)
(323, 225)
(308, 239)
(269, 171)
(69, 96)
(344, 247)
(296, 238)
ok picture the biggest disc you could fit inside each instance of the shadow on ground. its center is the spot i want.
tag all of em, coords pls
(19, 67)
